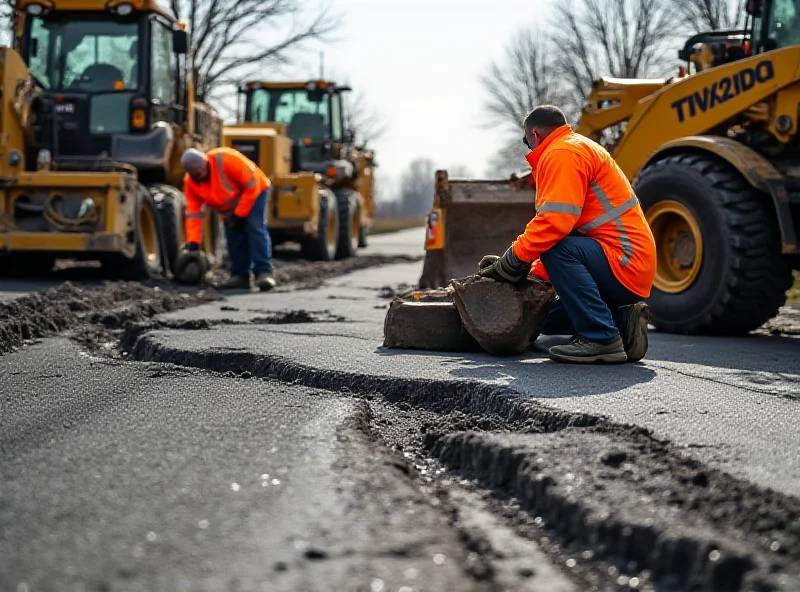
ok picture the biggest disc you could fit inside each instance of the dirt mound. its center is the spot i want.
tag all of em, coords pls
(105, 308)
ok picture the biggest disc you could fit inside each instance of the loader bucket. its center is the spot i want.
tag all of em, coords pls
(471, 219)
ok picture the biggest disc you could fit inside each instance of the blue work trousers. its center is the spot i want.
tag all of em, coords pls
(589, 295)
(249, 245)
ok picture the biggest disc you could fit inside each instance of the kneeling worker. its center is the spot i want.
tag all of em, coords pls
(228, 182)
(589, 238)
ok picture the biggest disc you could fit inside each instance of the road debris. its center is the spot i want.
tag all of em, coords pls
(504, 318)
(432, 326)
(105, 307)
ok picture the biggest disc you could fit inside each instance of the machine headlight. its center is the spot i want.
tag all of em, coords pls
(44, 160)
(35, 9)
(124, 9)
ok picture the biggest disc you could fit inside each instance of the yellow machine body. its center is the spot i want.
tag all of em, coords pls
(90, 207)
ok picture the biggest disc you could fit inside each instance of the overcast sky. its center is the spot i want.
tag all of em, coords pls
(418, 62)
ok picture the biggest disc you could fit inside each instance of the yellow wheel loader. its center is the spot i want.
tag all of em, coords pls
(97, 110)
(714, 158)
(322, 193)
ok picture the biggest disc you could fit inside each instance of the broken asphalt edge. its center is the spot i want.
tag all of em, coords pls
(677, 551)
(686, 557)
(469, 397)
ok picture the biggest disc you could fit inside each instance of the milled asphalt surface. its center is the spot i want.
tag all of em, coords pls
(127, 476)
(730, 403)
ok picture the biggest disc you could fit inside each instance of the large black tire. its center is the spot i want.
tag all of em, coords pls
(743, 277)
(323, 247)
(349, 223)
(149, 261)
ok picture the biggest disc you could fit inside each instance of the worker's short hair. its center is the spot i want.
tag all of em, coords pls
(193, 160)
(545, 118)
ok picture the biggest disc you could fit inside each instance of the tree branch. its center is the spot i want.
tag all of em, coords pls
(231, 38)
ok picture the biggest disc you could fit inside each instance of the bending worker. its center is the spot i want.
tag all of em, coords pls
(589, 239)
(230, 183)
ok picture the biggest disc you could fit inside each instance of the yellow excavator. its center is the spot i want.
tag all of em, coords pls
(97, 109)
(714, 157)
(323, 193)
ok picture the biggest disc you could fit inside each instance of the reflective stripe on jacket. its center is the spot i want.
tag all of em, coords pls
(234, 184)
(581, 190)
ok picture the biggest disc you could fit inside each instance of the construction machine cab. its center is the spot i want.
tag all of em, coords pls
(309, 118)
(769, 25)
(313, 113)
(112, 81)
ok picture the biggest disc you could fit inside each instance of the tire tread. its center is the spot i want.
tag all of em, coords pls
(758, 275)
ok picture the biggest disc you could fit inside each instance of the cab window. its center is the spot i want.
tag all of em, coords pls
(162, 61)
(785, 26)
(85, 54)
(336, 117)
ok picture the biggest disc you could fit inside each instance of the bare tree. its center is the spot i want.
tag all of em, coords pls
(233, 40)
(526, 77)
(509, 159)
(713, 15)
(459, 171)
(367, 123)
(416, 187)
(620, 38)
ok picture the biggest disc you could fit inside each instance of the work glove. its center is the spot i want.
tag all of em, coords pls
(487, 261)
(504, 269)
(191, 247)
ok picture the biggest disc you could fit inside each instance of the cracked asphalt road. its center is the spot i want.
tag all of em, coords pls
(731, 403)
(124, 476)
(269, 442)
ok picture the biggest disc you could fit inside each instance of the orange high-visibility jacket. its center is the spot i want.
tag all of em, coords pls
(581, 190)
(234, 184)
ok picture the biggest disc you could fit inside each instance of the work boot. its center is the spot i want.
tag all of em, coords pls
(583, 351)
(265, 281)
(634, 330)
(236, 282)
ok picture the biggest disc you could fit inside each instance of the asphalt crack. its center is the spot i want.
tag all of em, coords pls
(721, 381)
(101, 309)
(442, 396)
